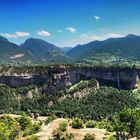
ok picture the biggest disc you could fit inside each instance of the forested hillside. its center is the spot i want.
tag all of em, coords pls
(86, 100)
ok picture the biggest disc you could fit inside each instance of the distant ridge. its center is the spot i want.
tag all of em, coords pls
(42, 49)
(38, 50)
(126, 47)
(11, 51)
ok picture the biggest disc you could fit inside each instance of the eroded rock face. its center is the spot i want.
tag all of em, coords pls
(62, 77)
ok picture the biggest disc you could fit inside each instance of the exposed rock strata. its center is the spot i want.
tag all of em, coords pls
(59, 78)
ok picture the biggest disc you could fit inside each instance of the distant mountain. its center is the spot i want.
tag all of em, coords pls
(66, 49)
(42, 49)
(11, 51)
(37, 50)
(125, 47)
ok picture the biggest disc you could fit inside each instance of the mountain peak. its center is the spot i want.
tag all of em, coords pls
(3, 39)
(32, 39)
(41, 48)
(132, 35)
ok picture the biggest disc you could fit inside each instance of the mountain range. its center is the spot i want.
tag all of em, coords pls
(127, 47)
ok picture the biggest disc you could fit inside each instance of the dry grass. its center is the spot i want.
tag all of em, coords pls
(78, 133)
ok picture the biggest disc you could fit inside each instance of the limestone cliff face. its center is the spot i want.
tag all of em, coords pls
(121, 78)
(62, 77)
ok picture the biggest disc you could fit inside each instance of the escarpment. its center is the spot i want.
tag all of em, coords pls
(63, 76)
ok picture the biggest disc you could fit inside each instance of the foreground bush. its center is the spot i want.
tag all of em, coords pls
(90, 124)
(89, 137)
(112, 137)
(33, 137)
(12, 128)
(63, 126)
(77, 123)
(57, 134)
(50, 119)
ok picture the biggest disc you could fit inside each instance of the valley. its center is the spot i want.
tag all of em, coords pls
(91, 91)
(75, 92)
(69, 70)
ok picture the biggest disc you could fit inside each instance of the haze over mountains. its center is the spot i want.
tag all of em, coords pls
(40, 50)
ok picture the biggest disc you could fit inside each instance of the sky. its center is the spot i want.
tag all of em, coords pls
(68, 23)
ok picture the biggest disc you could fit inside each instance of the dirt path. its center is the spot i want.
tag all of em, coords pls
(47, 130)
(45, 133)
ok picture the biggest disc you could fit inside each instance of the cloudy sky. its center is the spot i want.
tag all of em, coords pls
(68, 22)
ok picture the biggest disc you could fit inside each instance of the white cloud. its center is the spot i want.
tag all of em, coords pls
(71, 29)
(16, 35)
(44, 33)
(22, 34)
(97, 18)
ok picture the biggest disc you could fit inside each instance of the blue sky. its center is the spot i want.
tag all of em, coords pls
(68, 22)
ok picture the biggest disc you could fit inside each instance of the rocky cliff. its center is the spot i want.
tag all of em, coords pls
(61, 77)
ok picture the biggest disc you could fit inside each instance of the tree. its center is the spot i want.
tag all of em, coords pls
(26, 124)
(127, 122)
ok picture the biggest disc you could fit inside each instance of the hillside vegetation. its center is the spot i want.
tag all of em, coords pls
(86, 103)
(85, 100)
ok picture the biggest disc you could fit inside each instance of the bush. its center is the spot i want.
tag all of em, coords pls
(101, 125)
(90, 124)
(112, 137)
(50, 119)
(68, 137)
(33, 137)
(36, 128)
(25, 123)
(77, 123)
(89, 137)
(63, 126)
(57, 134)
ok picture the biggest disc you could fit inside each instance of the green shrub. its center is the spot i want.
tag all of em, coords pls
(63, 126)
(89, 137)
(77, 123)
(68, 137)
(33, 137)
(25, 122)
(111, 137)
(50, 119)
(102, 125)
(36, 128)
(90, 124)
(57, 134)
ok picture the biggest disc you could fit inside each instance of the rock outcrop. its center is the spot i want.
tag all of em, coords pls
(62, 77)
